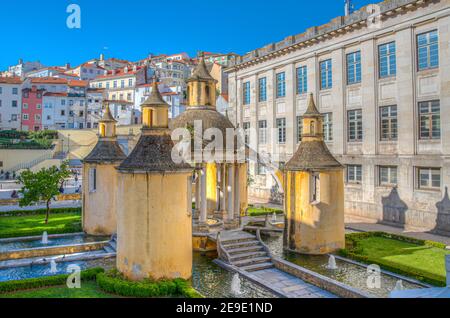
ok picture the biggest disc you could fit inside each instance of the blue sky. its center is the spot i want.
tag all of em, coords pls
(36, 30)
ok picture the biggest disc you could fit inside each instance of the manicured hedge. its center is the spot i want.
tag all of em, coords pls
(113, 282)
(32, 283)
(262, 211)
(40, 212)
(353, 251)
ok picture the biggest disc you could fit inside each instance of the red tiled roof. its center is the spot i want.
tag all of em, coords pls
(48, 80)
(10, 80)
(77, 83)
(225, 96)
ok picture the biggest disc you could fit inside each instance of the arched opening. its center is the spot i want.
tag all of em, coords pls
(312, 128)
(207, 94)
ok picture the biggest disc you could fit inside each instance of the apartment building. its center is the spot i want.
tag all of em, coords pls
(381, 78)
(32, 99)
(10, 103)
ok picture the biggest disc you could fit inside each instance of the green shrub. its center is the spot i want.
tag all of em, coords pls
(116, 283)
(262, 211)
(32, 283)
(40, 212)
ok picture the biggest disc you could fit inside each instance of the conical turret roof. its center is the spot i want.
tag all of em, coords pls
(201, 72)
(311, 111)
(155, 99)
(107, 116)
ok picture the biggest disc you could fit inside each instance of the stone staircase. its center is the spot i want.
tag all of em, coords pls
(111, 247)
(244, 251)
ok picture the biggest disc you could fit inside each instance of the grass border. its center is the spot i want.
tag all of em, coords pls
(40, 212)
(352, 251)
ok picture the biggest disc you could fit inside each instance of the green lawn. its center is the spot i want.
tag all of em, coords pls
(30, 225)
(89, 289)
(423, 262)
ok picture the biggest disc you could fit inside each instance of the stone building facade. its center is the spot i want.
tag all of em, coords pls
(382, 80)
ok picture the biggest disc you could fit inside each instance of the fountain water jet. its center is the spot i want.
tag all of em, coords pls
(44, 238)
(274, 217)
(236, 285)
(53, 267)
(399, 286)
(332, 263)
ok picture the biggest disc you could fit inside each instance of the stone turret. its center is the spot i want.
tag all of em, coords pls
(314, 193)
(99, 180)
(154, 203)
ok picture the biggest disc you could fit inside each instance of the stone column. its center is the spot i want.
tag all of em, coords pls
(217, 212)
(197, 197)
(203, 201)
(230, 189)
(223, 199)
(237, 199)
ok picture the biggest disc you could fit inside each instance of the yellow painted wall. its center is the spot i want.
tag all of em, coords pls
(13, 157)
(154, 226)
(243, 188)
(99, 207)
(315, 228)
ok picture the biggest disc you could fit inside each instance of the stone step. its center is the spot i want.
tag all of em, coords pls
(225, 241)
(257, 267)
(252, 261)
(240, 257)
(240, 244)
(243, 250)
(108, 249)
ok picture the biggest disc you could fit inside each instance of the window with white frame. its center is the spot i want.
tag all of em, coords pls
(355, 131)
(281, 128)
(25, 116)
(388, 123)
(354, 67)
(262, 132)
(281, 85)
(92, 179)
(354, 174)
(387, 60)
(262, 89)
(326, 74)
(428, 50)
(429, 178)
(262, 170)
(315, 188)
(387, 175)
(429, 120)
(246, 93)
(302, 80)
(246, 127)
(299, 128)
(328, 127)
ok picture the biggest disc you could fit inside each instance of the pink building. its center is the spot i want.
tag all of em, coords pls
(32, 108)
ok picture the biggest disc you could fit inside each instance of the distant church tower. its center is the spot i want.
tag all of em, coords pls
(314, 196)
(154, 206)
(99, 180)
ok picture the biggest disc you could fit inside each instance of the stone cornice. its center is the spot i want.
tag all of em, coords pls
(335, 28)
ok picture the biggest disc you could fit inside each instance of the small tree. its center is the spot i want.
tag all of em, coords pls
(43, 185)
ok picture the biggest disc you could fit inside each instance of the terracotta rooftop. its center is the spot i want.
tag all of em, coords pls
(48, 80)
(10, 80)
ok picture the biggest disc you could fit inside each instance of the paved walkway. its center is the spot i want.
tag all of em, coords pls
(54, 205)
(359, 224)
(288, 285)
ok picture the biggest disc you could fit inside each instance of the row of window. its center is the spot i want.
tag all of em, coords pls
(13, 103)
(14, 90)
(427, 58)
(427, 178)
(116, 84)
(429, 125)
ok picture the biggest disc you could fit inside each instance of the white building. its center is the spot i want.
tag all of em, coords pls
(173, 95)
(10, 103)
(381, 77)
(55, 113)
(22, 68)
